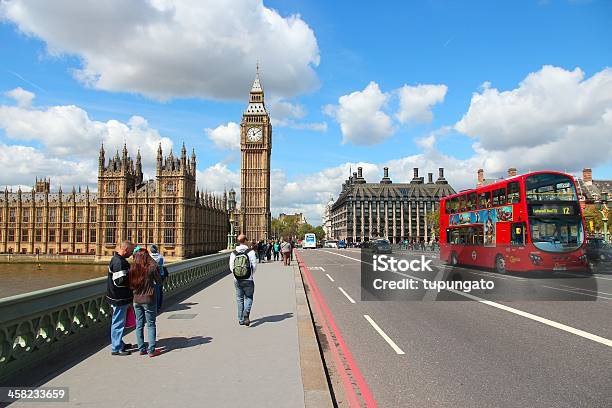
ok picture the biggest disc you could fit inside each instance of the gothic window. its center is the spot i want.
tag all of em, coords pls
(65, 235)
(151, 213)
(11, 215)
(26, 215)
(38, 235)
(24, 235)
(92, 235)
(51, 235)
(92, 215)
(170, 187)
(110, 235)
(168, 212)
(150, 236)
(80, 215)
(139, 236)
(66, 215)
(52, 215)
(129, 213)
(79, 235)
(139, 214)
(110, 213)
(111, 187)
(11, 235)
(168, 236)
(39, 217)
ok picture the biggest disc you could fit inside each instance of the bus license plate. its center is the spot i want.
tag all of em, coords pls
(560, 268)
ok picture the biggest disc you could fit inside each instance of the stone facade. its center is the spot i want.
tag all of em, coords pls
(168, 211)
(364, 211)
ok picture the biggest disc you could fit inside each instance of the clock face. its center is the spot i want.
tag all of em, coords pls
(254, 134)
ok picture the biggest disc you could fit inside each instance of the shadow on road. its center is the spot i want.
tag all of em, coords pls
(180, 306)
(271, 319)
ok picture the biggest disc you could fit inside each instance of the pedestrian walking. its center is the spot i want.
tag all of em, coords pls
(286, 251)
(276, 250)
(243, 263)
(144, 275)
(119, 295)
(269, 251)
(163, 272)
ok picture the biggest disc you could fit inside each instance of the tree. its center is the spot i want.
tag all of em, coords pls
(319, 232)
(593, 219)
(433, 221)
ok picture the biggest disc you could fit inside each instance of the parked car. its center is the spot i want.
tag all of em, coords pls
(377, 246)
(342, 244)
(331, 244)
(599, 255)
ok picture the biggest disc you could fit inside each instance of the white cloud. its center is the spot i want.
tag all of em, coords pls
(555, 118)
(225, 136)
(287, 114)
(217, 178)
(360, 116)
(69, 141)
(175, 48)
(21, 96)
(416, 102)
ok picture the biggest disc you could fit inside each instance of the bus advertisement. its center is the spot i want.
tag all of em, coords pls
(310, 241)
(526, 223)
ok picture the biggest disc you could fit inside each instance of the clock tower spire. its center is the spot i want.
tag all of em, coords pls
(255, 149)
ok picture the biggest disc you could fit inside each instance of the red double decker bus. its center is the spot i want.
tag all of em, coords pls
(525, 223)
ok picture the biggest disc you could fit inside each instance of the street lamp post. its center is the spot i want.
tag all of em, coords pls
(603, 208)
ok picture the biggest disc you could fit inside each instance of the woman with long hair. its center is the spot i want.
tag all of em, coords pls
(144, 274)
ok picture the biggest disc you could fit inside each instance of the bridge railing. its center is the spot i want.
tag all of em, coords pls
(38, 325)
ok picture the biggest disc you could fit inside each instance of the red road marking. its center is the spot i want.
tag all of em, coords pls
(324, 316)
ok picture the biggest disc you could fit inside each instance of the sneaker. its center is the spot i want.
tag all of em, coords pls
(142, 353)
(121, 353)
(155, 353)
(247, 322)
(241, 323)
(128, 346)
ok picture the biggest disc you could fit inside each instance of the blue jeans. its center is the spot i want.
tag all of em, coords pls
(148, 312)
(117, 327)
(244, 297)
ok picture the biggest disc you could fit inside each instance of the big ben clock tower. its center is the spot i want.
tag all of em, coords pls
(255, 148)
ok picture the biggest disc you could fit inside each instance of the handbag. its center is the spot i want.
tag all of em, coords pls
(130, 318)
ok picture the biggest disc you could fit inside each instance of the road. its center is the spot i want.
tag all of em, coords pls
(470, 353)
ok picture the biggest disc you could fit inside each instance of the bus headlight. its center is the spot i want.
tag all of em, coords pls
(583, 258)
(535, 258)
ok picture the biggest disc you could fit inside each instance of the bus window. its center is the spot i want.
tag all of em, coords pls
(499, 197)
(471, 201)
(514, 193)
(454, 204)
(484, 200)
(462, 203)
(518, 234)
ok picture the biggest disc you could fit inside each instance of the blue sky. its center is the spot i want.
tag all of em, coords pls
(442, 51)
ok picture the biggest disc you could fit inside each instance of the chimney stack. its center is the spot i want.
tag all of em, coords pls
(441, 179)
(385, 179)
(511, 172)
(587, 176)
(359, 172)
(480, 177)
(429, 178)
(416, 172)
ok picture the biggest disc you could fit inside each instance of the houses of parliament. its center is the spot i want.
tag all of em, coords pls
(168, 211)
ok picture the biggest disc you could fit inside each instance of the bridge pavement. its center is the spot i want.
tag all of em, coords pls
(208, 359)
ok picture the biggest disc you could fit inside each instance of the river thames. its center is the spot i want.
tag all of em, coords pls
(16, 278)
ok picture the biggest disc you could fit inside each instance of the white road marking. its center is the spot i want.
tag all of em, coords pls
(548, 322)
(346, 294)
(384, 335)
(597, 276)
(330, 278)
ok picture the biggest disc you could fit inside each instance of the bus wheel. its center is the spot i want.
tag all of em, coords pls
(500, 264)
(453, 259)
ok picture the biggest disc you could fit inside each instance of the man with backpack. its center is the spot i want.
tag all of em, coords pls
(243, 263)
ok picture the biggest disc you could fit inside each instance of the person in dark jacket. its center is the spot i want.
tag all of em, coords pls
(119, 295)
(144, 275)
(159, 289)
